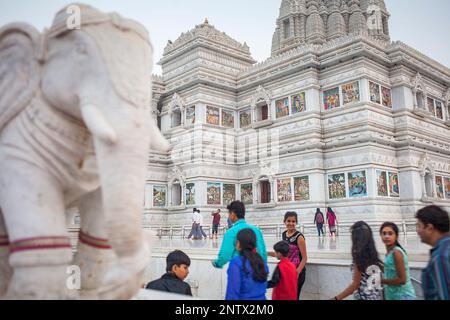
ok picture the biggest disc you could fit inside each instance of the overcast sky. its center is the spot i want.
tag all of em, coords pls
(422, 24)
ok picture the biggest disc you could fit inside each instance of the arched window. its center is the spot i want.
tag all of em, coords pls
(176, 118)
(264, 190)
(176, 192)
(429, 183)
(260, 105)
(287, 28)
(420, 98)
(262, 111)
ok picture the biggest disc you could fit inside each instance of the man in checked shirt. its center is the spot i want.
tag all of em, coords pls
(433, 225)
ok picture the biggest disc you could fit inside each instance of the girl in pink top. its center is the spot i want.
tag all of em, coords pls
(332, 220)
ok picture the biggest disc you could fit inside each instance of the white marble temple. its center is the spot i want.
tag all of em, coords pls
(383, 123)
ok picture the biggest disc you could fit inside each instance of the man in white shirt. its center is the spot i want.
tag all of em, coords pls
(200, 224)
(195, 223)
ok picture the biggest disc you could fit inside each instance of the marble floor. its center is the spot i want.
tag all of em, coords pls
(340, 247)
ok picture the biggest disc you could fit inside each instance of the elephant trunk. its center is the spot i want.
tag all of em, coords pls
(122, 143)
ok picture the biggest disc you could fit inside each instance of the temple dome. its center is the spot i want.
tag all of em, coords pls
(316, 21)
(336, 26)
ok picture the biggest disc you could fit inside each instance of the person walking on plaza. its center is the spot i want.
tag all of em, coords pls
(247, 273)
(228, 248)
(366, 267)
(215, 223)
(297, 248)
(284, 278)
(201, 233)
(332, 220)
(397, 280)
(319, 220)
(195, 221)
(433, 228)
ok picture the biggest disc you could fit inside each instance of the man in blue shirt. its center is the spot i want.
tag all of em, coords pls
(433, 228)
(228, 249)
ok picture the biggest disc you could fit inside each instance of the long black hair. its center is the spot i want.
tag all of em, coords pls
(247, 241)
(396, 230)
(329, 210)
(364, 251)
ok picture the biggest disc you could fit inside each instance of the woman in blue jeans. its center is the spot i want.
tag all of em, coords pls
(319, 221)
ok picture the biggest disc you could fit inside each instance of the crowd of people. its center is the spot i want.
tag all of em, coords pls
(244, 250)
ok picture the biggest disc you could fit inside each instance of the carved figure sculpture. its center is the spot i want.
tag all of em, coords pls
(75, 129)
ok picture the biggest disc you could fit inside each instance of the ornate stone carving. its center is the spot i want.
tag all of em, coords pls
(261, 94)
(205, 30)
(264, 170)
(176, 102)
(317, 21)
(419, 96)
(176, 175)
(447, 106)
(97, 87)
(427, 173)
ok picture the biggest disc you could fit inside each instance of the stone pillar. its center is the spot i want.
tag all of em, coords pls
(200, 193)
(255, 192)
(317, 187)
(292, 32)
(169, 195)
(166, 122)
(364, 90)
(371, 181)
(272, 190)
(402, 97)
(313, 98)
(183, 192)
(200, 113)
(411, 184)
(148, 196)
(302, 27)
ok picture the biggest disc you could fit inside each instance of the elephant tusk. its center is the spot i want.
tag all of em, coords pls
(98, 125)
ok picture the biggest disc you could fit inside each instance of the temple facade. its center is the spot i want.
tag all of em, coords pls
(339, 116)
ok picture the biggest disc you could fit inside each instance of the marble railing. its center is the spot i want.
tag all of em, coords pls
(407, 227)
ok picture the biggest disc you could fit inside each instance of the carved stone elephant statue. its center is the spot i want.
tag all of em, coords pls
(75, 130)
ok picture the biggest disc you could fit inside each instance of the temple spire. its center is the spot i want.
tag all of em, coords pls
(318, 21)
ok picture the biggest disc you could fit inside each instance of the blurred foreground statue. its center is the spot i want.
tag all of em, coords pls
(75, 130)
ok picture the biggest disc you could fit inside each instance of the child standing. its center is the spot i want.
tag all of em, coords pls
(247, 272)
(297, 245)
(284, 279)
(397, 280)
(366, 268)
(177, 267)
(297, 248)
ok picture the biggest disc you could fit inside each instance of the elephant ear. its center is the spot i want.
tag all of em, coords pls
(20, 69)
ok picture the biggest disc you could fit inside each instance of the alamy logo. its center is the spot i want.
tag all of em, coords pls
(374, 280)
(74, 279)
(74, 20)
